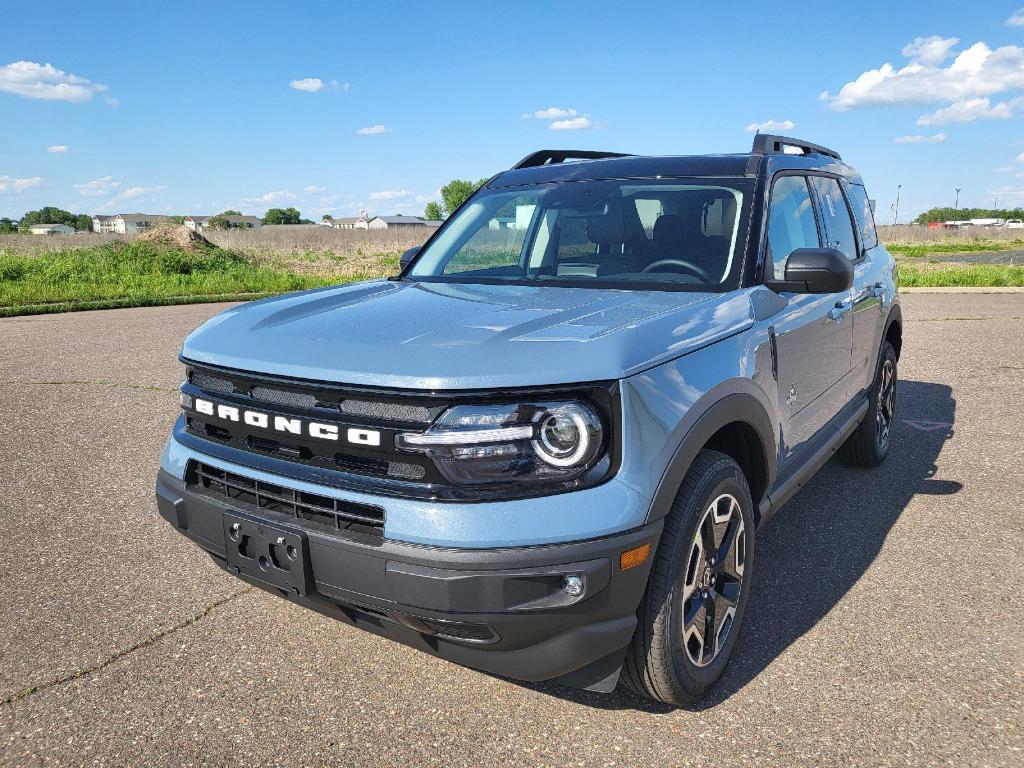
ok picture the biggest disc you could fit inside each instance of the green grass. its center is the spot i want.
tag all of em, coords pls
(139, 274)
(926, 249)
(120, 274)
(957, 276)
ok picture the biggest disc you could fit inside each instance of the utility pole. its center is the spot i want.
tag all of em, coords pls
(956, 205)
(896, 209)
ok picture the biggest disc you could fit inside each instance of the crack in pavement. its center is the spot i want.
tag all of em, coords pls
(81, 673)
(93, 383)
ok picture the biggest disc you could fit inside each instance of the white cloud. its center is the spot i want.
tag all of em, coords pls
(936, 138)
(771, 125)
(390, 194)
(551, 113)
(133, 192)
(1003, 169)
(308, 84)
(572, 124)
(98, 187)
(315, 85)
(9, 184)
(372, 130)
(111, 101)
(969, 110)
(314, 190)
(277, 196)
(57, 149)
(1016, 18)
(45, 81)
(930, 50)
(975, 72)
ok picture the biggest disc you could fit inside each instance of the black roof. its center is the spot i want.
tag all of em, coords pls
(768, 154)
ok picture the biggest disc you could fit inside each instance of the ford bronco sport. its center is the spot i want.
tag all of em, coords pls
(544, 448)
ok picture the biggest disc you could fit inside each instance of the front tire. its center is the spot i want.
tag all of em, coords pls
(690, 615)
(869, 444)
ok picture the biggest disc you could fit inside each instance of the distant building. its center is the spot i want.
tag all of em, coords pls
(51, 229)
(349, 222)
(126, 223)
(199, 223)
(391, 222)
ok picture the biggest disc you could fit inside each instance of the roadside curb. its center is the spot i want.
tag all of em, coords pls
(965, 289)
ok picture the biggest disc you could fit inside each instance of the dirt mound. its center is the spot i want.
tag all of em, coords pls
(176, 236)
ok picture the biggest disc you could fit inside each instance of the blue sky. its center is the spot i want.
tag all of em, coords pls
(196, 107)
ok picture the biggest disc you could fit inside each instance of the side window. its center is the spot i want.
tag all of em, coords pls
(863, 214)
(835, 215)
(791, 222)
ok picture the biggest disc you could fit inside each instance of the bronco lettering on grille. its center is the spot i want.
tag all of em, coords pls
(287, 425)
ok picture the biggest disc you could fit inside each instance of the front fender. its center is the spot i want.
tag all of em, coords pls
(671, 411)
(731, 402)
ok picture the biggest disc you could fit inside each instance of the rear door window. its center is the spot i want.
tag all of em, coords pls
(835, 215)
(864, 215)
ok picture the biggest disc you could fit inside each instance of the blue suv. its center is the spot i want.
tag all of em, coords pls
(543, 450)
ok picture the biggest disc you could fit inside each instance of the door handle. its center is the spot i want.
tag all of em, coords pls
(840, 310)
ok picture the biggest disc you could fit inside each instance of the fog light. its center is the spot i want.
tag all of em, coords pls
(572, 585)
(185, 399)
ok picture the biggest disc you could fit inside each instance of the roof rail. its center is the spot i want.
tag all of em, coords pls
(766, 144)
(553, 156)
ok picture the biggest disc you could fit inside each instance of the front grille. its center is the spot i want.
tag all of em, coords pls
(212, 383)
(284, 397)
(324, 511)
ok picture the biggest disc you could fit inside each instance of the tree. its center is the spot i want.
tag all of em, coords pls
(83, 223)
(7, 226)
(282, 216)
(50, 215)
(220, 221)
(961, 214)
(457, 191)
(231, 213)
(433, 212)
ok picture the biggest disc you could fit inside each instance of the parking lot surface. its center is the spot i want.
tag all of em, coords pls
(886, 625)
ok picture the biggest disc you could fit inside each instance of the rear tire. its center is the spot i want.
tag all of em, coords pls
(668, 659)
(869, 444)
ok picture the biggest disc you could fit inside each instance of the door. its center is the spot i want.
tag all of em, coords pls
(813, 332)
(872, 274)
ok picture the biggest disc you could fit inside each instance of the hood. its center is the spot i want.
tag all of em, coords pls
(457, 336)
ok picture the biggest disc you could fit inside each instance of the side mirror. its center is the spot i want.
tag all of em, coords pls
(815, 270)
(408, 256)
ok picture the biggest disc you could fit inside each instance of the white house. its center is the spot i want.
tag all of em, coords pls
(349, 222)
(199, 223)
(51, 229)
(126, 223)
(391, 222)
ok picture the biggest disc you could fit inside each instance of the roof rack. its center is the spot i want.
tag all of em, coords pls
(553, 156)
(766, 144)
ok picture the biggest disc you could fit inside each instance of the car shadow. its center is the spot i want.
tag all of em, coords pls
(820, 544)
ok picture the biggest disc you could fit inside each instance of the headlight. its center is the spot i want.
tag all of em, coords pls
(513, 443)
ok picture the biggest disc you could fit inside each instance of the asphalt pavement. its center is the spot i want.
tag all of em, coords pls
(886, 625)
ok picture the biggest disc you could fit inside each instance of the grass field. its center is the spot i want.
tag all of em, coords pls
(130, 274)
(64, 273)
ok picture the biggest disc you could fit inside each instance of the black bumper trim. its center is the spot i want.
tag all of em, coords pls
(391, 588)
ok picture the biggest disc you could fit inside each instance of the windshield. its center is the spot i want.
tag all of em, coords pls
(668, 234)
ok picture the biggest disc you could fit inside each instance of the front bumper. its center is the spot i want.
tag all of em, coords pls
(500, 610)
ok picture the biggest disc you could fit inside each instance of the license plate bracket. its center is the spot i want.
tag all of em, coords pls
(268, 552)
